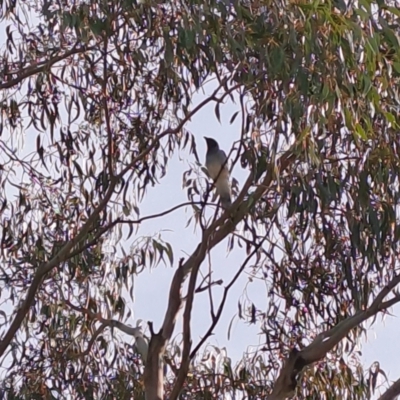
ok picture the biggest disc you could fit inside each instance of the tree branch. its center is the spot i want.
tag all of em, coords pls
(110, 139)
(41, 66)
(187, 341)
(109, 226)
(214, 234)
(43, 269)
(163, 213)
(66, 251)
(99, 330)
(326, 341)
(112, 323)
(392, 392)
(224, 297)
(174, 131)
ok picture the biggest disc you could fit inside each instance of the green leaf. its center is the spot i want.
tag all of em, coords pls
(391, 37)
(170, 253)
(360, 132)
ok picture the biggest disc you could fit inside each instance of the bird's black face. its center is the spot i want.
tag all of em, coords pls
(211, 143)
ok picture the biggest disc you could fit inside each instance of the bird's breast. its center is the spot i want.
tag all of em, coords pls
(214, 169)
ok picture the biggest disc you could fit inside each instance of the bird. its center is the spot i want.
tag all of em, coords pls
(217, 168)
(141, 342)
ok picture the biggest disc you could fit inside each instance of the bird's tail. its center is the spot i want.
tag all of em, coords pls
(226, 201)
(224, 191)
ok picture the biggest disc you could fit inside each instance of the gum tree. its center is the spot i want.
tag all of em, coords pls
(105, 90)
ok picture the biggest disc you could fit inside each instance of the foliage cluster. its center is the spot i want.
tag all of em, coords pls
(104, 89)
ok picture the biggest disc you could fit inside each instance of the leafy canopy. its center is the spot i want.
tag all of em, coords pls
(104, 89)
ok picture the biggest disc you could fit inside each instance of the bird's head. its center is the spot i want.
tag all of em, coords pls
(211, 144)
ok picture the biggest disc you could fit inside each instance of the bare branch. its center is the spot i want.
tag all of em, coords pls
(224, 297)
(112, 323)
(326, 341)
(209, 285)
(153, 374)
(209, 291)
(163, 213)
(392, 392)
(187, 341)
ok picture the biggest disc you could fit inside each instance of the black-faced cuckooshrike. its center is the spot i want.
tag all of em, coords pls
(217, 167)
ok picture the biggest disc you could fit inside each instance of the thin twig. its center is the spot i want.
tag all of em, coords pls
(174, 131)
(224, 297)
(110, 140)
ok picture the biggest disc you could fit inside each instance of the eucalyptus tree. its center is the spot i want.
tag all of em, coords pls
(103, 92)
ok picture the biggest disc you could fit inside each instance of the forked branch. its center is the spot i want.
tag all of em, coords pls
(326, 341)
(70, 248)
(214, 234)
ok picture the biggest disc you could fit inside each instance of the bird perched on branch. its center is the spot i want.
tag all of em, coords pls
(141, 344)
(217, 167)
